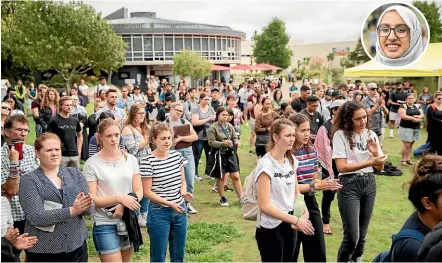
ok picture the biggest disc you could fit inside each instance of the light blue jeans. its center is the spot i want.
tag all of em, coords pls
(165, 226)
(189, 169)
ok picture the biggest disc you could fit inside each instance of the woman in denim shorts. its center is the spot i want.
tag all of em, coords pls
(112, 175)
(409, 127)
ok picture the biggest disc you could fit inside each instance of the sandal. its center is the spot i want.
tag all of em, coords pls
(327, 229)
(409, 162)
(404, 163)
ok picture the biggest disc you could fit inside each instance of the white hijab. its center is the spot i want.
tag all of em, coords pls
(416, 45)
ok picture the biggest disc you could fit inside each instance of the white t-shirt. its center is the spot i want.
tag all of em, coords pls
(83, 89)
(101, 87)
(359, 154)
(6, 215)
(113, 178)
(282, 186)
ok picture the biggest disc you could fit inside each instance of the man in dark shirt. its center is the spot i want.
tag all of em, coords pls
(406, 249)
(164, 111)
(68, 129)
(301, 103)
(313, 115)
(215, 103)
(397, 98)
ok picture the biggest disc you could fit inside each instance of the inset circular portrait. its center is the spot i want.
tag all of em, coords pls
(395, 34)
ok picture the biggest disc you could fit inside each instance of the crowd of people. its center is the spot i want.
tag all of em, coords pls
(142, 152)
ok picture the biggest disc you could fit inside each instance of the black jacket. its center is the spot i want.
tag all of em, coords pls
(133, 229)
(45, 115)
(431, 248)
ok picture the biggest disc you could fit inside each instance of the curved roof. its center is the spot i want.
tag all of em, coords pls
(147, 22)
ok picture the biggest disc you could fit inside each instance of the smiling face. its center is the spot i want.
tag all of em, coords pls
(395, 44)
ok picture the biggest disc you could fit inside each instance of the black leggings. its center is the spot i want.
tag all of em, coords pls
(277, 244)
(327, 199)
(198, 147)
(78, 255)
(313, 247)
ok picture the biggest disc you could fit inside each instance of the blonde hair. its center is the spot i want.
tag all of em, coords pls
(437, 94)
(45, 102)
(38, 144)
(278, 125)
(131, 117)
(178, 103)
(62, 100)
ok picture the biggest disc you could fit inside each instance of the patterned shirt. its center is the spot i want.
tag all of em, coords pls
(6, 216)
(307, 164)
(28, 164)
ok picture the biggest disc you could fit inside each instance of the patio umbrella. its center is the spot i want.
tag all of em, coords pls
(264, 66)
(219, 67)
(243, 67)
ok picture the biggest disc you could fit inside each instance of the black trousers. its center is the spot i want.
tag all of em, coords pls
(327, 199)
(78, 255)
(313, 247)
(277, 244)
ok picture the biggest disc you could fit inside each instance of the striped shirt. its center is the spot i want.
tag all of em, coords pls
(307, 164)
(166, 175)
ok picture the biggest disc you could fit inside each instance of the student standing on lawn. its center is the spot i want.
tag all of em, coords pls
(277, 188)
(68, 129)
(164, 184)
(356, 151)
(307, 176)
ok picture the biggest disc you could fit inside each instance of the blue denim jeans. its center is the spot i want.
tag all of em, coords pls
(189, 169)
(165, 226)
(144, 203)
(355, 201)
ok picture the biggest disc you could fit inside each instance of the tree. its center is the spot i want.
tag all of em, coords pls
(271, 46)
(432, 13)
(190, 64)
(70, 38)
(357, 56)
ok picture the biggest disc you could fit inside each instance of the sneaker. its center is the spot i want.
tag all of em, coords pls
(215, 189)
(250, 153)
(228, 188)
(191, 209)
(142, 222)
(223, 202)
(198, 178)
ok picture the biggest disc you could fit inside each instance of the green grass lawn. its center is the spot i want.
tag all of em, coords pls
(220, 233)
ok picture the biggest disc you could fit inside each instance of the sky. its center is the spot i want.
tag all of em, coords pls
(307, 22)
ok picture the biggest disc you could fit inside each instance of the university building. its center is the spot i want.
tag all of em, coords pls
(152, 42)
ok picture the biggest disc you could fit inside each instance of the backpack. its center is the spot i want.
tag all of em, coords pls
(249, 199)
(404, 233)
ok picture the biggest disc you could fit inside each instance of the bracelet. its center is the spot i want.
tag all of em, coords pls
(297, 221)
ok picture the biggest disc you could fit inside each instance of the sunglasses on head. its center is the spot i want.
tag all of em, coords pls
(6, 108)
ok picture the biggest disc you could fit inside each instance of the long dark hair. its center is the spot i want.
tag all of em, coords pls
(218, 112)
(344, 120)
(299, 119)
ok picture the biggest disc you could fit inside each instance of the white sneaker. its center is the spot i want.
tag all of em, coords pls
(198, 178)
(191, 209)
(223, 202)
(215, 189)
(142, 222)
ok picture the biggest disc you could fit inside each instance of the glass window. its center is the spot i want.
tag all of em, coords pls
(205, 46)
(224, 44)
(218, 44)
(212, 44)
(168, 42)
(148, 56)
(138, 54)
(137, 44)
(148, 44)
(158, 44)
(188, 43)
(197, 44)
(128, 44)
(178, 43)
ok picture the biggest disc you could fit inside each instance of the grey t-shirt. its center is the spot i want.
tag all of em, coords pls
(113, 178)
(425, 97)
(201, 131)
(377, 118)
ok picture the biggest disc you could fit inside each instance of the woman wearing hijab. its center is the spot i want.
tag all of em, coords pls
(402, 46)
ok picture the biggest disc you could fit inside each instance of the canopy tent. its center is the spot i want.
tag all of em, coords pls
(219, 67)
(429, 65)
(268, 67)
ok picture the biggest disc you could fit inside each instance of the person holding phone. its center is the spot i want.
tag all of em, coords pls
(167, 212)
(17, 160)
(115, 185)
(356, 151)
(55, 200)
